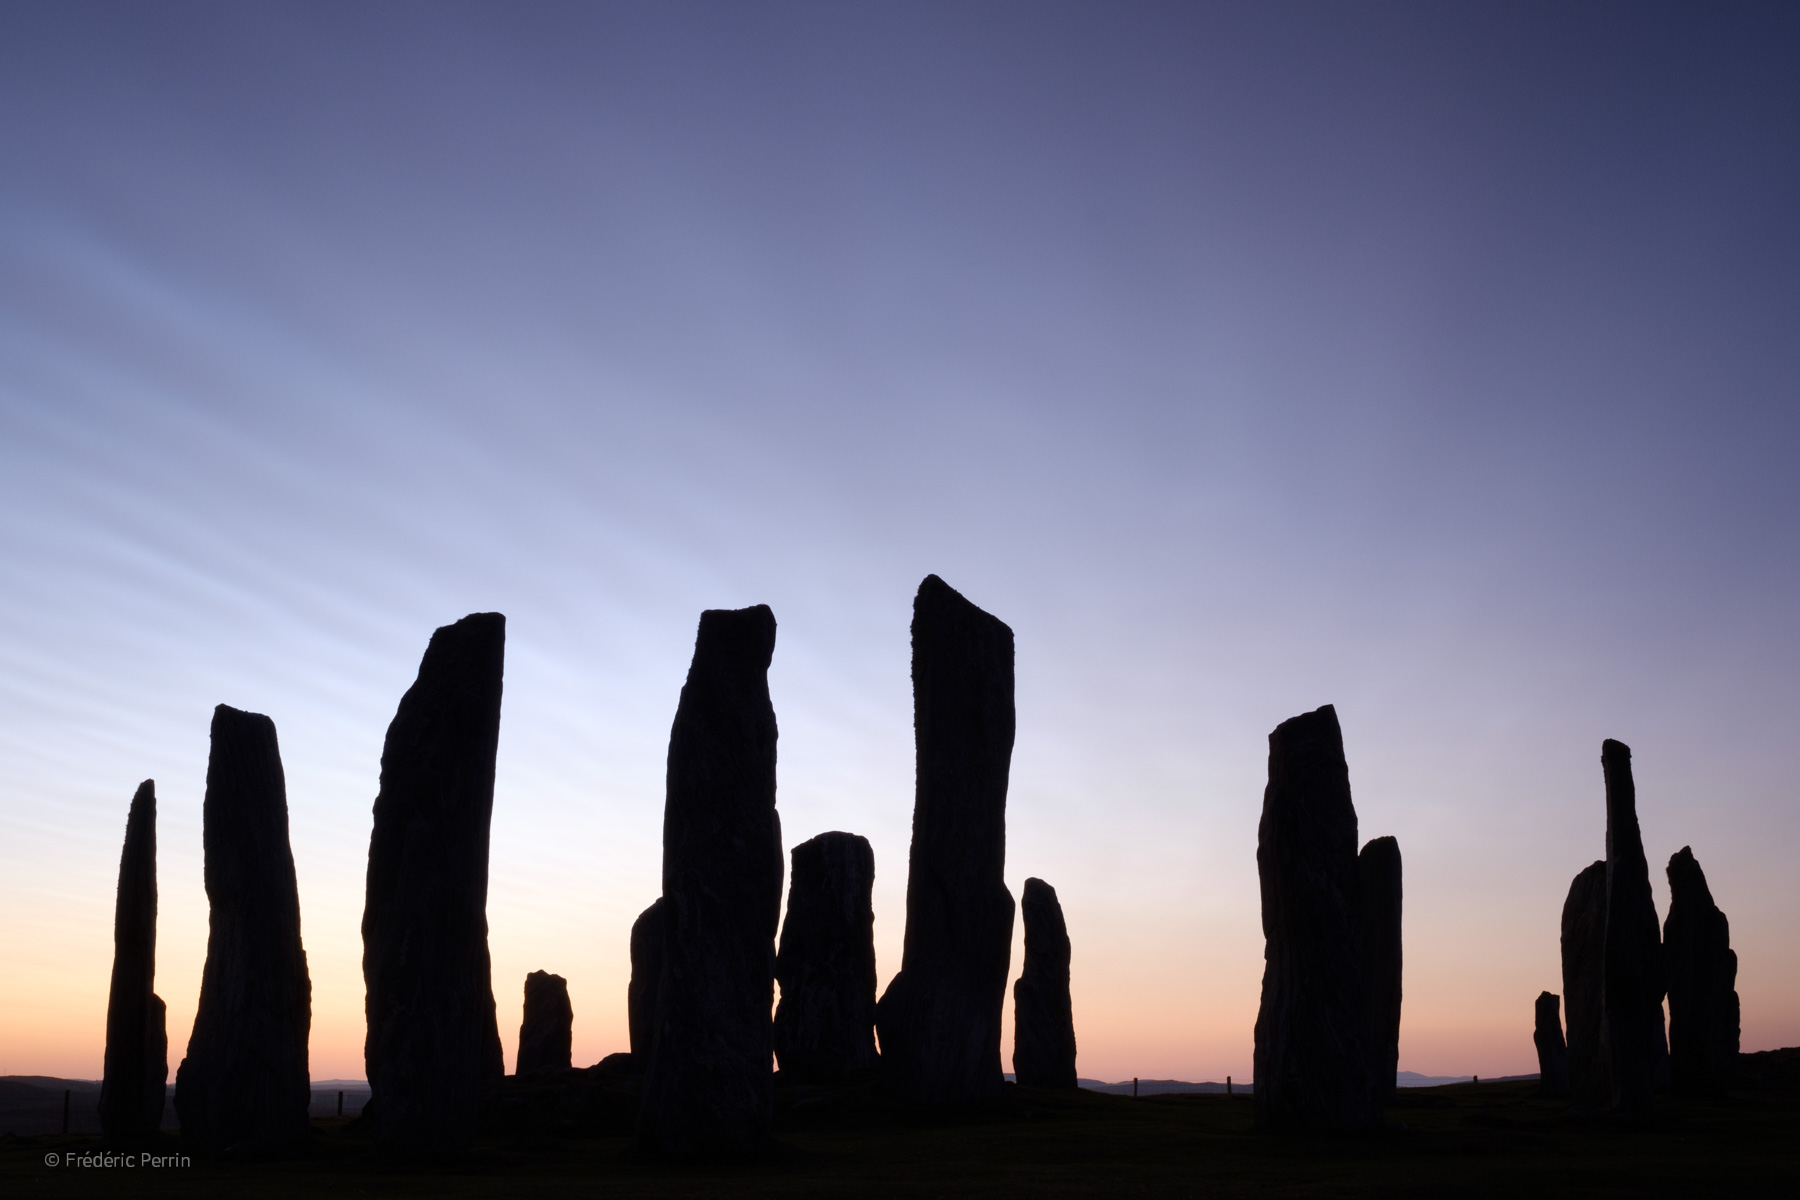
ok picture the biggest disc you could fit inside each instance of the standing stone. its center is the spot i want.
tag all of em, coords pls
(131, 1060)
(1553, 1053)
(939, 1019)
(1584, 988)
(647, 939)
(710, 1085)
(245, 1080)
(1634, 968)
(825, 1023)
(433, 1037)
(156, 1061)
(1043, 1017)
(1378, 870)
(1703, 999)
(1312, 1056)
(547, 1031)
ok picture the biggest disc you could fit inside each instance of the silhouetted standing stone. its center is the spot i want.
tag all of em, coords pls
(709, 1087)
(1312, 1057)
(1043, 1017)
(1378, 868)
(1703, 999)
(433, 1037)
(647, 937)
(245, 1080)
(825, 1023)
(133, 1013)
(1584, 988)
(547, 1031)
(940, 1016)
(1634, 969)
(1553, 1054)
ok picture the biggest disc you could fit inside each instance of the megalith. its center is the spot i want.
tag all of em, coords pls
(135, 1069)
(1584, 988)
(1043, 1017)
(1378, 873)
(432, 1033)
(825, 1021)
(1312, 1041)
(1552, 1052)
(245, 1080)
(1702, 975)
(709, 1087)
(547, 1030)
(1634, 967)
(939, 1019)
(646, 979)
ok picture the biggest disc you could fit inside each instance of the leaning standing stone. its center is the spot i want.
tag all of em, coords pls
(1584, 988)
(131, 1008)
(825, 1022)
(1378, 869)
(245, 1080)
(1634, 968)
(1553, 1054)
(433, 1037)
(1043, 1015)
(646, 978)
(1703, 999)
(547, 1032)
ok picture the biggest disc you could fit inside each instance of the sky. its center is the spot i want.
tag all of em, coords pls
(1437, 361)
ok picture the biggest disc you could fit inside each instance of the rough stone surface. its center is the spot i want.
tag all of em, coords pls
(548, 1029)
(1552, 1051)
(1703, 999)
(432, 1034)
(1584, 988)
(133, 1065)
(825, 1023)
(1378, 870)
(647, 939)
(1312, 1056)
(1634, 968)
(1043, 1018)
(939, 1019)
(709, 1087)
(245, 1080)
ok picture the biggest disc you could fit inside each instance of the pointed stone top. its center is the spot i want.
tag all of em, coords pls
(939, 598)
(1685, 876)
(145, 795)
(1316, 730)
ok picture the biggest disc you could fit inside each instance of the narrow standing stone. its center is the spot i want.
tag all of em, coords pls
(939, 1019)
(245, 1080)
(1584, 988)
(1312, 1057)
(1043, 1016)
(547, 1030)
(1703, 999)
(647, 938)
(156, 1061)
(1378, 870)
(1552, 1052)
(131, 1061)
(433, 1038)
(825, 1023)
(710, 1085)
(1634, 969)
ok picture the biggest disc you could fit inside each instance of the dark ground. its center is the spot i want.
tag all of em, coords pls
(571, 1137)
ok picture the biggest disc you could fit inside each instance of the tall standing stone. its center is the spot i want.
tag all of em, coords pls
(1703, 999)
(647, 938)
(1312, 1056)
(710, 1087)
(1378, 870)
(433, 1037)
(1584, 988)
(1043, 1016)
(1634, 968)
(547, 1031)
(245, 1080)
(1552, 1052)
(939, 1019)
(825, 1022)
(133, 1073)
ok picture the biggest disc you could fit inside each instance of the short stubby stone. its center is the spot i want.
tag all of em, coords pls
(547, 1031)
(1634, 967)
(156, 1061)
(1378, 873)
(646, 978)
(1312, 1056)
(245, 1081)
(1702, 974)
(1552, 1052)
(134, 1019)
(1584, 988)
(1043, 1015)
(709, 1087)
(433, 1038)
(825, 1022)
(939, 1019)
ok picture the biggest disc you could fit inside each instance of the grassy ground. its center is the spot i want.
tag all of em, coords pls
(1465, 1139)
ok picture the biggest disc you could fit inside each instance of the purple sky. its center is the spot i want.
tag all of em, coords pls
(1439, 361)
